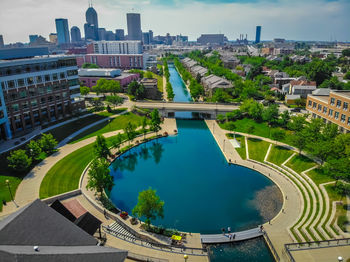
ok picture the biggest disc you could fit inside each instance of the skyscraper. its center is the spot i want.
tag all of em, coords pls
(1, 42)
(119, 34)
(91, 25)
(53, 38)
(75, 34)
(134, 26)
(62, 31)
(32, 38)
(258, 34)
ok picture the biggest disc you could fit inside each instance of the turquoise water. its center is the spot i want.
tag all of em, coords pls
(202, 193)
(179, 88)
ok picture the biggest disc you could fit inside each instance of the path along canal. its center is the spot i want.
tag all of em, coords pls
(202, 193)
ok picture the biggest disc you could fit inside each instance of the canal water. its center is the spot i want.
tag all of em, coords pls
(202, 193)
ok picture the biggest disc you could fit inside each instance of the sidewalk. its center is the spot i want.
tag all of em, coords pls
(278, 229)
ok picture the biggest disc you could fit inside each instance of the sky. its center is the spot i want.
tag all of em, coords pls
(290, 19)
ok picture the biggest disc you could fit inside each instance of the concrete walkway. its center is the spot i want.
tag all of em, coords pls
(277, 229)
(28, 189)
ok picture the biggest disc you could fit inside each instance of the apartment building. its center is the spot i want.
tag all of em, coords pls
(332, 107)
(35, 91)
(115, 47)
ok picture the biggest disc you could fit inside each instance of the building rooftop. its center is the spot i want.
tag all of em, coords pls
(341, 93)
(321, 92)
(320, 97)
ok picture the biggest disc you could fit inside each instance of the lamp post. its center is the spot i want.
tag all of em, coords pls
(213, 127)
(185, 257)
(224, 144)
(8, 185)
(109, 124)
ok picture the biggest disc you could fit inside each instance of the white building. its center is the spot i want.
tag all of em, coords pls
(117, 47)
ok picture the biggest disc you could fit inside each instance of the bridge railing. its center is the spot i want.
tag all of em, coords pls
(189, 102)
(162, 247)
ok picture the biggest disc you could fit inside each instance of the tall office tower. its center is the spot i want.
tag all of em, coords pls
(91, 25)
(75, 34)
(146, 38)
(32, 38)
(62, 31)
(1, 42)
(53, 38)
(258, 34)
(102, 33)
(110, 36)
(134, 26)
(150, 36)
(119, 34)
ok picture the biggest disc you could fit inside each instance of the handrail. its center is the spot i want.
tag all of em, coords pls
(157, 246)
(138, 257)
(271, 246)
(318, 244)
(189, 102)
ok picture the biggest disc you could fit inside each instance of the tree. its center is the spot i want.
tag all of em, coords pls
(234, 115)
(347, 75)
(88, 65)
(34, 149)
(319, 71)
(270, 114)
(284, 120)
(297, 123)
(114, 100)
(84, 90)
(220, 118)
(346, 52)
(136, 89)
(118, 141)
(129, 131)
(149, 206)
(299, 140)
(144, 127)
(19, 161)
(48, 143)
(278, 135)
(101, 149)
(99, 176)
(155, 121)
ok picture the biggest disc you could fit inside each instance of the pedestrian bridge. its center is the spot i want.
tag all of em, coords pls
(225, 238)
(167, 109)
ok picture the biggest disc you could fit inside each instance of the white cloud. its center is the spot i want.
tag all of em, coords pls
(299, 20)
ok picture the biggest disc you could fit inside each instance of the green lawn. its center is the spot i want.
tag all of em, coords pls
(113, 112)
(4, 191)
(279, 154)
(318, 176)
(257, 149)
(250, 126)
(61, 132)
(241, 151)
(117, 123)
(300, 163)
(64, 176)
(160, 82)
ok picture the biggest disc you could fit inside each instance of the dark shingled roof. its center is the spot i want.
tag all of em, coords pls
(60, 208)
(59, 254)
(88, 223)
(38, 224)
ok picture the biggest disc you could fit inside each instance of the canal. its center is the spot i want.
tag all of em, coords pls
(202, 193)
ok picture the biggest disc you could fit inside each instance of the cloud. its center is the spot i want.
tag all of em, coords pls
(298, 19)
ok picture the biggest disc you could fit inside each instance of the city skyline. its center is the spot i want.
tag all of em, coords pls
(279, 18)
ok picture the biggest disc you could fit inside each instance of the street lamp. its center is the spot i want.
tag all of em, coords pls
(213, 127)
(109, 123)
(224, 144)
(185, 257)
(340, 259)
(8, 185)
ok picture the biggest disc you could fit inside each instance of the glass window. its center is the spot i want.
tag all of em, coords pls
(43, 100)
(23, 94)
(47, 78)
(15, 107)
(25, 104)
(343, 117)
(62, 75)
(314, 105)
(49, 89)
(338, 103)
(310, 102)
(41, 90)
(54, 76)
(30, 80)
(14, 96)
(319, 108)
(345, 105)
(330, 112)
(20, 82)
(325, 110)
(39, 79)
(11, 84)
(349, 121)
(34, 102)
(332, 101)
(50, 98)
(32, 92)
(3, 85)
(336, 115)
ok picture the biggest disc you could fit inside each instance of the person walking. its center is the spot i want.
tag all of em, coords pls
(229, 230)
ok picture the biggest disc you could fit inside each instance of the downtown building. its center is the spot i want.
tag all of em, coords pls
(37, 91)
(332, 106)
(114, 54)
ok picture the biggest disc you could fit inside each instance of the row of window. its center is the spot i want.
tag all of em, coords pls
(32, 92)
(37, 79)
(34, 102)
(339, 103)
(331, 112)
(40, 66)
